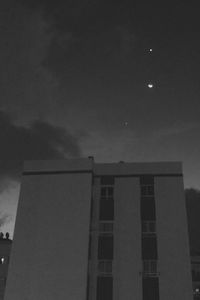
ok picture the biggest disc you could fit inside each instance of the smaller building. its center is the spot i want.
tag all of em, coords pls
(5, 248)
(195, 265)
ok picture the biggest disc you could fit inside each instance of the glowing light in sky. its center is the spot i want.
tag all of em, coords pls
(150, 85)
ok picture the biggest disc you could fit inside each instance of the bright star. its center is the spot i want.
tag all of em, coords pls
(150, 85)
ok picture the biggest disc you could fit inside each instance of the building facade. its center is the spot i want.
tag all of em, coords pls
(94, 231)
(5, 249)
(195, 264)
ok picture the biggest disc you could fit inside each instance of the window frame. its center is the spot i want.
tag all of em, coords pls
(105, 267)
(147, 190)
(147, 226)
(104, 252)
(106, 209)
(147, 209)
(149, 247)
(106, 227)
(104, 290)
(150, 267)
(150, 288)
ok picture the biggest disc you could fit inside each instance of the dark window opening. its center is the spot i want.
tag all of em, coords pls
(105, 267)
(106, 227)
(147, 190)
(147, 209)
(195, 275)
(105, 247)
(107, 180)
(107, 192)
(104, 288)
(147, 180)
(106, 211)
(148, 227)
(150, 287)
(150, 268)
(149, 248)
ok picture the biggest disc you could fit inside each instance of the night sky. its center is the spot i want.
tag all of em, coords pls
(74, 81)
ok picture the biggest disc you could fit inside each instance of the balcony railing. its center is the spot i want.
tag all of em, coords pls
(148, 227)
(150, 268)
(106, 227)
(105, 267)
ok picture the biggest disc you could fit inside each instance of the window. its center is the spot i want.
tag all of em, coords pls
(104, 288)
(149, 248)
(195, 275)
(148, 227)
(147, 180)
(106, 211)
(106, 227)
(150, 287)
(150, 268)
(107, 192)
(105, 247)
(147, 190)
(107, 180)
(105, 267)
(147, 209)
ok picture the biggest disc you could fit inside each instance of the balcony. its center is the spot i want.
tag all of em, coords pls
(105, 267)
(150, 268)
(148, 227)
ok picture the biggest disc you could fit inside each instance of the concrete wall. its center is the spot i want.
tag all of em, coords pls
(127, 240)
(50, 248)
(138, 168)
(173, 246)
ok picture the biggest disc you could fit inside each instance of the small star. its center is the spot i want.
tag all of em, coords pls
(126, 123)
(150, 50)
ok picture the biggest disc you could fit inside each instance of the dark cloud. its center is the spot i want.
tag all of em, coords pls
(94, 54)
(193, 212)
(95, 15)
(39, 140)
(81, 15)
(86, 34)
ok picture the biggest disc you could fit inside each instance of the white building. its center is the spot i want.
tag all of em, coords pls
(100, 232)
